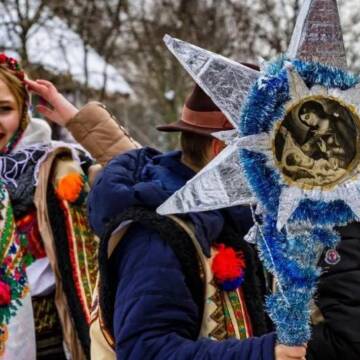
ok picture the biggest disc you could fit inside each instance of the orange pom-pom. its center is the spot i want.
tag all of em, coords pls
(227, 264)
(70, 186)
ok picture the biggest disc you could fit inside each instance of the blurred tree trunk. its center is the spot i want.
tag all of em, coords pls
(21, 17)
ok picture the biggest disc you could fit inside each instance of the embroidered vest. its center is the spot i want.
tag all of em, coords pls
(51, 220)
(225, 314)
(70, 246)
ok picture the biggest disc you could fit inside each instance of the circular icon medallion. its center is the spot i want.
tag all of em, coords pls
(316, 145)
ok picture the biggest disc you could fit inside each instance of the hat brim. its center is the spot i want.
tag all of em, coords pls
(182, 126)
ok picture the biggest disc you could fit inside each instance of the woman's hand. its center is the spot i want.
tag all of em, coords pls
(284, 352)
(61, 111)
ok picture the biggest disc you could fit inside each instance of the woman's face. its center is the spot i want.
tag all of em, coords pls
(9, 114)
(310, 119)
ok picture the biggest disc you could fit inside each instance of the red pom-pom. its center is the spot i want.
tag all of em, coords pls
(227, 264)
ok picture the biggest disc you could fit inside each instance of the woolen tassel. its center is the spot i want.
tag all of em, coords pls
(228, 266)
(70, 186)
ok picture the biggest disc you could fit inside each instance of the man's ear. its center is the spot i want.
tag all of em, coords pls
(217, 146)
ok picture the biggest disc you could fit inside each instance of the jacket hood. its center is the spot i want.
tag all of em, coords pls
(146, 177)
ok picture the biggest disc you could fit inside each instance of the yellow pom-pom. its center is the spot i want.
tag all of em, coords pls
(69, 187)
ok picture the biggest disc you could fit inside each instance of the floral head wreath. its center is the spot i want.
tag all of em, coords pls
(10, 64)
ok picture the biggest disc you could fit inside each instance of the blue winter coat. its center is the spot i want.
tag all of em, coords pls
(155, 315)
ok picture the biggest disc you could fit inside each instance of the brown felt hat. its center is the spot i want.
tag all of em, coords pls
(200, 115)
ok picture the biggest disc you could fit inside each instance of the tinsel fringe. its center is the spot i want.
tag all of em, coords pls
(292, 254)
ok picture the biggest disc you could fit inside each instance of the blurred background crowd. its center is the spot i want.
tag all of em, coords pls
(112, 50)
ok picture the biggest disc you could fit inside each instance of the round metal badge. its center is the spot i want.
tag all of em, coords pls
(332, 257)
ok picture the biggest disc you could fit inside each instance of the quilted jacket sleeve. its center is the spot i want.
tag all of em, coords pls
(155, 316)
(97, 131)
(338, 336)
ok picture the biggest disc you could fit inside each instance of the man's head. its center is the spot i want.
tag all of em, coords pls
(199, 120)
(199, 150)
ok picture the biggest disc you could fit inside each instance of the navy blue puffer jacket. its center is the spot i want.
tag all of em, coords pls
(155, 315)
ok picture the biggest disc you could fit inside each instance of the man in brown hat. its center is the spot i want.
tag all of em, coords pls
(175, 287)
(200, 118)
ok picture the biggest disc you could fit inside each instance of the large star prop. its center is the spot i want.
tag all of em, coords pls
(222, 183)
(294, 153)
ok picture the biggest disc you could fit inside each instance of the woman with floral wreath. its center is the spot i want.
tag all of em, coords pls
(48, 255)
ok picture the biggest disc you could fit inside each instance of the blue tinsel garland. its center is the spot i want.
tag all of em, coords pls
(289, 254)
(264, 106)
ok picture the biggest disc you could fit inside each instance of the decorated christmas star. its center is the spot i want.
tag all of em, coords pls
(295, 154)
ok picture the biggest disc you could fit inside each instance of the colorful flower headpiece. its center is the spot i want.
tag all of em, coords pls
(12, 65)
